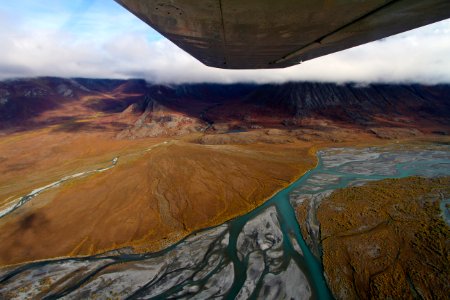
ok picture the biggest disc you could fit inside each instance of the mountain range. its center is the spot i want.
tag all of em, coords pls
(135, 108)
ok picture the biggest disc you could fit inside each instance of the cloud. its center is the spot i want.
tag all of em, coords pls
(93, 45)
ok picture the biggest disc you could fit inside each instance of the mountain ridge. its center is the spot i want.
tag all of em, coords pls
(215, 108)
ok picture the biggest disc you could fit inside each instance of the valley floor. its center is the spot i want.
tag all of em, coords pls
(375, 240)
(159, 191)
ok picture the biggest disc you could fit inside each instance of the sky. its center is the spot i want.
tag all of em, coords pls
(101, 39)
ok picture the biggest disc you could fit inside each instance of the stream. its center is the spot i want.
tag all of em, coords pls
(17, 203)
(260, 255)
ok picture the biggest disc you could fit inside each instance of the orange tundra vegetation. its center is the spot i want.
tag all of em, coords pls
(154, 196)
(387, 239)
(160, 191)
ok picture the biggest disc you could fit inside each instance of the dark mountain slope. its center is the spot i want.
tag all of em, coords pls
(30, 103)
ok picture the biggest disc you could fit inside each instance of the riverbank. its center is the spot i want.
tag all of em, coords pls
(158, 196)
(259, 254)
(159, 192)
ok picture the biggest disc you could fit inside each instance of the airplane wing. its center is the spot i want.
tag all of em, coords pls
(257, 34)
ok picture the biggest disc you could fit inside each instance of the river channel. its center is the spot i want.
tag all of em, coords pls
(260, 255)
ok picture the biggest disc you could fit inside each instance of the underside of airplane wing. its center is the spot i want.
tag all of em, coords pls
(259, 34)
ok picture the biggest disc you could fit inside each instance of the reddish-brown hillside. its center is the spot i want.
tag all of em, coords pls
(135, 108)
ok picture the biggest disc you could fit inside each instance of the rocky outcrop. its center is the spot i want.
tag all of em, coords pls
(158, 120)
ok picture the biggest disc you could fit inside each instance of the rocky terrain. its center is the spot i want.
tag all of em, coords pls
(387, 239)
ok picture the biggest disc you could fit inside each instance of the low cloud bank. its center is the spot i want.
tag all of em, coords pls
(421, 55)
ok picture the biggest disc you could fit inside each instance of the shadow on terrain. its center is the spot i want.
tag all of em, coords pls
(31, 221)
(77, 126)
(241, 105)
(18, 166)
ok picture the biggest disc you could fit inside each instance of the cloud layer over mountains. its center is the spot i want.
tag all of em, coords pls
(104, 40)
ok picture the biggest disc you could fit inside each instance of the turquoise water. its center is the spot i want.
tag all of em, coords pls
(354, 169)
(445, 211)
(254, 256)
(289, 225)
